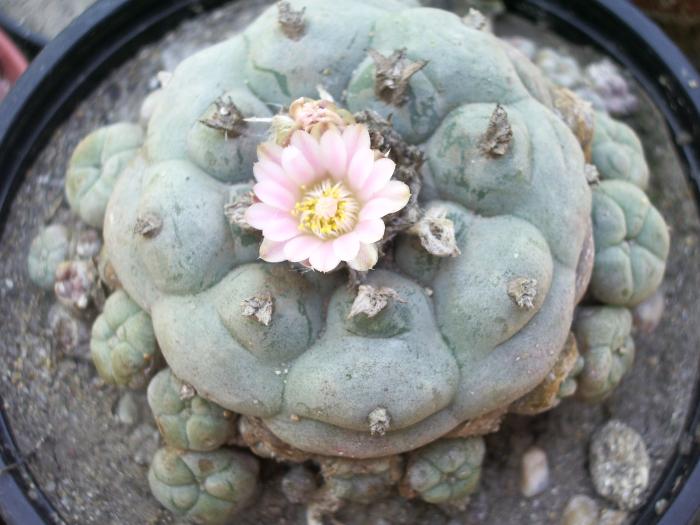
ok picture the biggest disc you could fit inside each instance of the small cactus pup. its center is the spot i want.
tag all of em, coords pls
(123, 345)
(204, 487)
(48, 250)
(603, 334)
(186, 420)
(446, 471)
(483, 198)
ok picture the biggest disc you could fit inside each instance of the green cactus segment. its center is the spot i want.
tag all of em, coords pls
(361, 481)
(631, 243)
(194, 248)
(123, 345)
(186, 420)
(233, 358)
(95, 166)
(396, 361)
(267, 341)
(209, 488)
(48, 249)
(617, 152)
(447, 470)
(539, 178)
(450, 79)
(603, 336)
(196, 83)
(222, 153)
(336, 38)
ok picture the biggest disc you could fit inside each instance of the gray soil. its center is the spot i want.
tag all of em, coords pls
(46, 17)
(93, 468)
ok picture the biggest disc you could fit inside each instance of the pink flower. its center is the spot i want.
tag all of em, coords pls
(322, 200)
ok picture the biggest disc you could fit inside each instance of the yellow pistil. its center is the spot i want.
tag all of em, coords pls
(328, 210)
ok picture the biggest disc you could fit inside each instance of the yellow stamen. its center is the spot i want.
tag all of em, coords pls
(328, 210)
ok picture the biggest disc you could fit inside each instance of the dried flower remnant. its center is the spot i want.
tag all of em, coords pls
(235, 209)
(379, 421)
(496, 140)
(437, 234)
(260, 306)
(76, 283)
(523, 292)
(370, 300)
(226, 118)
(291, 21)
(148, 225)
(309, 115)
(393, 74)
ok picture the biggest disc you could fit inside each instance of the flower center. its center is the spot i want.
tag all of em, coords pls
(327, 210)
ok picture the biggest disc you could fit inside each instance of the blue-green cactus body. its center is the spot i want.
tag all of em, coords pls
(607, 348)
(48, 249)
(95, 166)
(204, 487)
(123, 345)
(631, 244)
(186, 420)
(455, 341)
(446, 471)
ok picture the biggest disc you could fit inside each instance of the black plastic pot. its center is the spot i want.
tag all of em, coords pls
(111, 31)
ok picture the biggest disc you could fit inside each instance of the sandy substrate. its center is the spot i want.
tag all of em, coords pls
(93, 467)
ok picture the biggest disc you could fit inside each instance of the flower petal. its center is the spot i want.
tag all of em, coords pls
(346, 246)
(266, 170)
(310, 148)
(395, 189)
(324, 258)
(271, 152)
(259, 215)
(370, 230)
(334, 154)
(390, 199)
(300, 248)
(360, 168)
(272, 251)
(296, 166)
(366, 258)
(356, 138)
(282, 229)
(275, 195)
(381, 174)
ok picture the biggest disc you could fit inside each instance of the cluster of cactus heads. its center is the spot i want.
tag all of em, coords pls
(505, 284)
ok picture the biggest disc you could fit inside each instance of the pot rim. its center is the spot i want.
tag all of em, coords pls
(107, 34)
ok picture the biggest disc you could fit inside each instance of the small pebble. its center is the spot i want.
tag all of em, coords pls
(648, 313)
(127, 409)
(619, 464)
(660, 506)
(534, 472)
(580, 510)
(612, 517)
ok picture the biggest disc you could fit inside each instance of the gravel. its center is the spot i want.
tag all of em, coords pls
(619, 464)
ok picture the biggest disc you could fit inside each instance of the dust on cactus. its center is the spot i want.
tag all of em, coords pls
(486, 200)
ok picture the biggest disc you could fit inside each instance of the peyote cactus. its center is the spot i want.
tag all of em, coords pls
(186, 420)
(603, 334)
(445, 471)
(631, 244)
(95, 165)
(206, 487)
(123, 345)
(438, 155)
(48, 250)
